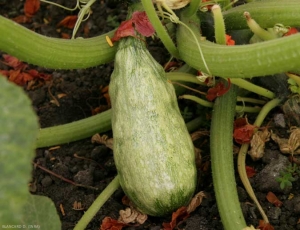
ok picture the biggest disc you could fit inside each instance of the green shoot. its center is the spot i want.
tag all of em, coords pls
(84, 7)
(287, 176)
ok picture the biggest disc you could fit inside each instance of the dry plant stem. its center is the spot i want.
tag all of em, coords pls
(97, 204)
(63, 178)
(243, 152)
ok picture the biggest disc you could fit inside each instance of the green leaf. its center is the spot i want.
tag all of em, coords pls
(18, 132)
(40, 212)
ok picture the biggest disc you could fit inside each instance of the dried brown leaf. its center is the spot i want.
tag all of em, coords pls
(258, 144)
(178, 216)
(294, 140)
(196, 135)
(112, 224)
(291, 145)
(96, 138)
(195, 202)
(131, 215)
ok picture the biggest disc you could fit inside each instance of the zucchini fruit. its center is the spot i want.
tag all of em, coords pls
(153, 151)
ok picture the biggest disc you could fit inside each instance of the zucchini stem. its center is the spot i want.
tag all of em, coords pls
(159, 28)
(241, 165)
(97, 204)
(221, 147)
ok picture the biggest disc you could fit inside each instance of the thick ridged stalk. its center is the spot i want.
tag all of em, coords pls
(260, 59)
(74, 131)
(222, 161)
(54, 53)
(266, 13)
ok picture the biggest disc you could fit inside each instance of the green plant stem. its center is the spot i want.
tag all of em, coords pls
(260, 59)
(252, 87)
(219, 25)
(198, 100)
(222, 161)
(78, 130)
(54, 53)
(195, 124)
(97, 204)
(278, 55)
(266, 13)
(208, 104)
(241, 165)
(242, 83)
(186, 77)
(159, 28)
(294, 77)
(251, 100)
(257, 30)
(74, 131)
(193, 8)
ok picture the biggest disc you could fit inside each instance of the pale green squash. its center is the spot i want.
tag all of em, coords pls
(153, 151)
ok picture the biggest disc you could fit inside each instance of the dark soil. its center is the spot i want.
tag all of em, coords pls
(82, 97)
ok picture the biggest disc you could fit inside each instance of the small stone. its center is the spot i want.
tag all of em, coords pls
(274, 213)
(279, 120)
(47, 181)
(84, 177)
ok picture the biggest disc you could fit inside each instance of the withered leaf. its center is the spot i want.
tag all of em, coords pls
(258, 144)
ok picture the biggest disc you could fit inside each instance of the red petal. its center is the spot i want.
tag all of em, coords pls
(31, 7)
(125, 29)
(13, 62)
(291, 31)
(4, 72)
(68, 22)
(229, 41)
(250, 171)
(243, 135)
(272, 198)
(179, 215)
(111, 224)
(217, 90)
(142, 23)
(264, 226)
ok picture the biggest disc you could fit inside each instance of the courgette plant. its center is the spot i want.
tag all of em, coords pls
(211, 57)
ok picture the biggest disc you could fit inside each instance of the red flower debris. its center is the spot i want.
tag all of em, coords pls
(31, 7)
(218, 90)
(68, 22)
(243, 131)
(20, 74)
(264, 226)
(178, 216)
(250, 171)
(273, 199)
(139, 22)
(291, 31)
(112, 224)
(229, 41)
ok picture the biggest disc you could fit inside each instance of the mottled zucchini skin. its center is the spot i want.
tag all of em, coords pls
(153, 151)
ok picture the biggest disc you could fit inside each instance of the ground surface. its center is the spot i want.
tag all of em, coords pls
(82, 96)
